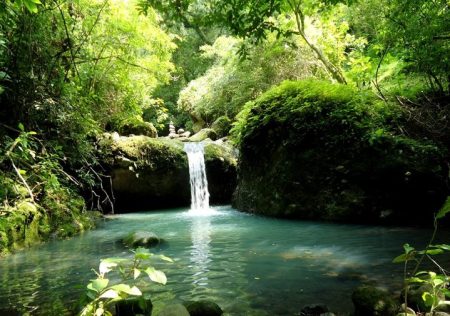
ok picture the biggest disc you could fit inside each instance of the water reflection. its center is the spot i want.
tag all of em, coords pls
(200, 250)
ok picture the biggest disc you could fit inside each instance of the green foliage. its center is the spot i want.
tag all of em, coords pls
(102, 294)
(38, 196)
(434, 285)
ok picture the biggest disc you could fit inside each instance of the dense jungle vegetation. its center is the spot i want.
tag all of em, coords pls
(73, 69)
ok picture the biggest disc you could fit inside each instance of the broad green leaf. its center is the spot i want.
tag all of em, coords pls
(415, 280)
(142, 253)
(100, 284)
(99, 311)
(444, 209)
(156, 275)
(136, 273)
(91, 287)
(21, 127)
(428, 298)
(443, 247)
(431, 252)
(22, 172)
(110, 294)
(408, 248)
(106, 266)
(401, 258)
(162, 257)
(30, 5)
(126, 289)
(437, 282)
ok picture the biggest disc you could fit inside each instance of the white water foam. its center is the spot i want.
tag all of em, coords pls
(198, 180)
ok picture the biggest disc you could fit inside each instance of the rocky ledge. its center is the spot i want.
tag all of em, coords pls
(153, 173)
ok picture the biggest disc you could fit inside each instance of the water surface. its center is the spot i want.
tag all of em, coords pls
(249, 265)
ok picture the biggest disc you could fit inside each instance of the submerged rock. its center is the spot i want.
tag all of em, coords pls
(314, 310)
(316, 150)
(203, 308)
(370, 301)
(134, 306)
(151, 173)
(142, 239)
(174, 310)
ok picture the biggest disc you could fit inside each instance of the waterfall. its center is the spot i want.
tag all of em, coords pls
(197, 174)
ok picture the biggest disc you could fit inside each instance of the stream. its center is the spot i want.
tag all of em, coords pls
(249, 265)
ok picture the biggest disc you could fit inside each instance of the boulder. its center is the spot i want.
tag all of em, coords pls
(222, 126)
(142, 239)
(220, 163)
(316, 150)
(134, 306)
(149, 173)
(203, 135)
(174, 310)
(314, 310)
(203, 308)
(371, 301)
(138, 128)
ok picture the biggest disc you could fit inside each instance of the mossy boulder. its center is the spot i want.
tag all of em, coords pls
(152, 173)
(371, 301)
(173, 310)
(132, 306)
(316, 150)
(220, 163)
(203, 135)
(203, 308)
(222, 126)
(141, 239)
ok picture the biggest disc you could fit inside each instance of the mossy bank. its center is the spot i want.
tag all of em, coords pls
(316, 150)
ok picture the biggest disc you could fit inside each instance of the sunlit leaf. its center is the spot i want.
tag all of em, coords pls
(99, 311)
(106, 266)
(444, 209)
(100, 284)
(443, 247)
(127, 289)
(136, 273)
(110, 294)
(162, 257)
(156, 275)
(428, 298)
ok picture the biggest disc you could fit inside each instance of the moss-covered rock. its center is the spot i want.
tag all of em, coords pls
(133, 126)
(317, 150)
(150, 173)
(220, 163)
(222, 126)
(59, 212)
(134, 306)
(370, 301)
(142, 239)
(203, 135)
(203, 308)
(173, 310)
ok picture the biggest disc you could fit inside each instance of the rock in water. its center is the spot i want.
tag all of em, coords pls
(142, 239)
(134, 306)
(314, 310)
(203, 308)
(370, 301)
(174, 310)
(317, 150)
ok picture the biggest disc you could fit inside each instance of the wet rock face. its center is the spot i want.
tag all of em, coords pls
(149, 173)
(311, 150)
